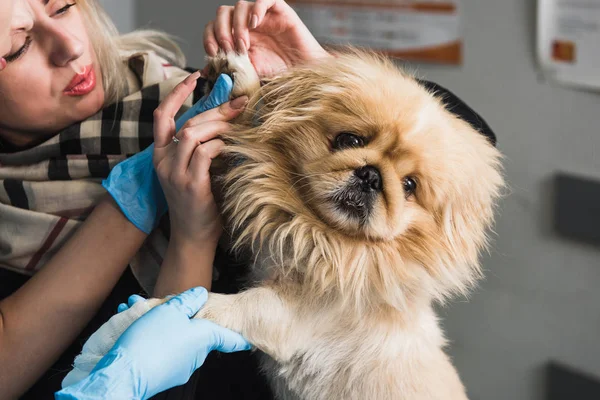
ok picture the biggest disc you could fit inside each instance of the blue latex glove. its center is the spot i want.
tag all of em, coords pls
(133, 183)
(159, 351)
(134, 298)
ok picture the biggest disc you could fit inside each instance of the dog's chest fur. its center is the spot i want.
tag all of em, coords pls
(335, 354)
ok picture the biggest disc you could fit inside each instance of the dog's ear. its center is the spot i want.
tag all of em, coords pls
(458, 107)
(467, 213)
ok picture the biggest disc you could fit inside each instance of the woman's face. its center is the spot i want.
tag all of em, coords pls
(52, 78)
(6, 9)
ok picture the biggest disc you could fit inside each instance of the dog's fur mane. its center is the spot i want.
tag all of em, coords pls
(267, 215)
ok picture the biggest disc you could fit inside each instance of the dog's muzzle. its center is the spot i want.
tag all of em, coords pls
(358, 197)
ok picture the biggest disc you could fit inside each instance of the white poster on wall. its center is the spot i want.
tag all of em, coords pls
(418, 30)
(568, 42)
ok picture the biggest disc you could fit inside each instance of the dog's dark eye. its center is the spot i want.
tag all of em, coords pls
(410, 186)
(347, 140)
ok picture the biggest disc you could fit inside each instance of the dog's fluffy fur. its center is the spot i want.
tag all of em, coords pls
(346, 268)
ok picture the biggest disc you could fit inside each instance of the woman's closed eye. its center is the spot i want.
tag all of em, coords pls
(64, 9)
(14, 56)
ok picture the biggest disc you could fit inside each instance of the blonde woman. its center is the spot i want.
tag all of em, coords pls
(76, 99)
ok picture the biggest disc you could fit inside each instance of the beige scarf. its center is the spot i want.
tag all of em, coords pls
(47, 191)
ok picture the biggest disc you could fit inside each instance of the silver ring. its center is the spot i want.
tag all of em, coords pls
(175, 140)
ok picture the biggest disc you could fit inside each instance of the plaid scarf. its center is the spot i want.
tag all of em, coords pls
(47, 191)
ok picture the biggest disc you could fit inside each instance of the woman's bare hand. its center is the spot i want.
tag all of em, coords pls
(270, 31)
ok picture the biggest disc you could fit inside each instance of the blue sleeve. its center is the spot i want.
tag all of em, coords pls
(113, 378)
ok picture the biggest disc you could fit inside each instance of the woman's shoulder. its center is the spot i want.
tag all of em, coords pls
(151, 78)
(147, 68)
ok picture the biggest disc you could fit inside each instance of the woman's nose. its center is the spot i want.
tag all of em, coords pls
(65, 47)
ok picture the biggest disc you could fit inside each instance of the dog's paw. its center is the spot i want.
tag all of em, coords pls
(208, 309)
(239, 68)
(216, 309)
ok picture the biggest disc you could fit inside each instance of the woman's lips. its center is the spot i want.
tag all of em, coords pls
(82, 83)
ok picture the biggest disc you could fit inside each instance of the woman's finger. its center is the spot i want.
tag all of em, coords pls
(240, 26)
(190, 138)
(223, 28)
(225, 112)
(163, 162)
(211, 46)
(164, 115)
(259, 11)
(202, 158)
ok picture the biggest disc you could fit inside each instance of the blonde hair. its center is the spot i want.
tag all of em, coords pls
(110, 46)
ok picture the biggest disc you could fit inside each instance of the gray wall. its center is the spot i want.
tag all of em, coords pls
(122, 12)
(541, 298)
(183, 18)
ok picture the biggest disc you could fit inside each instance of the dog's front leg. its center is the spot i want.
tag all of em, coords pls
(260, 314)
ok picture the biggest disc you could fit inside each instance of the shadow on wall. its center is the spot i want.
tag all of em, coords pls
(565, 383)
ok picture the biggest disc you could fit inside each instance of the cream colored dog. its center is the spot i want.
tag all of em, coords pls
(361, 200)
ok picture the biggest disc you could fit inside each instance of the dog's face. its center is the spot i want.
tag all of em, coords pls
(365, 153)
(381, 157)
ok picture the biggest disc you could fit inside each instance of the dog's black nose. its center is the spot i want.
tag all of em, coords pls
(370, 178)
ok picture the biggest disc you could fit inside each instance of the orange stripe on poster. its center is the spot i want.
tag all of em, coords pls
(451, 53)
(449, 8)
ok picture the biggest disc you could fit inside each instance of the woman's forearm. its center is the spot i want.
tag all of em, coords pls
(45, 315)
(186, 265)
